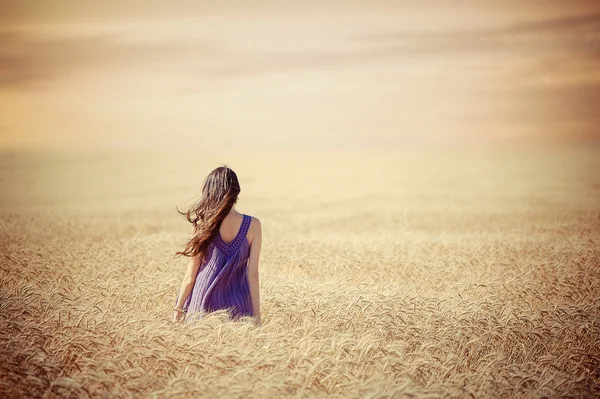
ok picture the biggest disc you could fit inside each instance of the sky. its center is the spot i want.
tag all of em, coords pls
(297, 74)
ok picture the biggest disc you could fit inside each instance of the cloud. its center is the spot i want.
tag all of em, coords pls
(571, 40)
(571, 24)
(576, 34)
(28, 59)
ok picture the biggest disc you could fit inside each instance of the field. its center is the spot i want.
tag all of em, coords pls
(438, 273)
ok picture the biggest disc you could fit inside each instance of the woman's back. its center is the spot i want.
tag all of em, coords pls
(230, 226)
(222, 280)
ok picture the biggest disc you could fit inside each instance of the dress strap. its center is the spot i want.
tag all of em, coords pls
(245, 225)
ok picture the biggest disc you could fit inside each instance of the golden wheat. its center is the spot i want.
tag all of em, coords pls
(430, 274)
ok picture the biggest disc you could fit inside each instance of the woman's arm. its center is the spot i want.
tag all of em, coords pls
(253, 280)
(186, 285)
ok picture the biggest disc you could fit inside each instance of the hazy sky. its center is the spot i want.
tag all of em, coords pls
(297, 74)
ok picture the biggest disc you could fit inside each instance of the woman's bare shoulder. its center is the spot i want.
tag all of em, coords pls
(255, 228)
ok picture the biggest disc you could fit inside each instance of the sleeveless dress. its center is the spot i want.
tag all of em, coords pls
(222, 280)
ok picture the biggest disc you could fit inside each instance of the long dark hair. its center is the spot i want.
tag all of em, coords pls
(219, 194)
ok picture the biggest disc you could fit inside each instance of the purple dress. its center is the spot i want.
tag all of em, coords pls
(222, 281)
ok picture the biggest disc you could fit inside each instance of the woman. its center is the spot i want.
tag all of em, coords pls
(224, 252)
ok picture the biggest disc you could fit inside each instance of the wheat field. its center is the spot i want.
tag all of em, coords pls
(412, 273)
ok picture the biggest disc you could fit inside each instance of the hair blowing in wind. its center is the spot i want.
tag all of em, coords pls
(219, 194)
